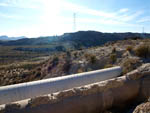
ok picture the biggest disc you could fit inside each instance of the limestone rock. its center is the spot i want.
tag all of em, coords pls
(143, 108)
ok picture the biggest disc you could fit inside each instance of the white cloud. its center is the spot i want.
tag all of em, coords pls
(106, 22)
(52, 9)
(122, 17)
(20, 4)
(144, 19)
(82, 9)
(124, 10)
(132, 16)
(8, 16)
(4, 4)
(52, 21)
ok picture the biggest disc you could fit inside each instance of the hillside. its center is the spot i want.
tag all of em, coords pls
(6, 38)
(23, 66)
(70, 41)
(129, 54)
(80, 38)
(117, 95)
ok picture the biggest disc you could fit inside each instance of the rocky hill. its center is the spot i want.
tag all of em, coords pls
(129, 54)
(71, 41)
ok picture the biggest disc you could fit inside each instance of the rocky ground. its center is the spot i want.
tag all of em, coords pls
(129, 54)
(143, 108)
(122, 53)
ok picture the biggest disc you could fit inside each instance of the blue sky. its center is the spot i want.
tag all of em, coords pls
(34, 18)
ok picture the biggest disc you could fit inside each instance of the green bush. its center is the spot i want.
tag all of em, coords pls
(143, 51)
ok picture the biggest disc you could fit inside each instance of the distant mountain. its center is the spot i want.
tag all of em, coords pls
(6, 38)
(77, 40)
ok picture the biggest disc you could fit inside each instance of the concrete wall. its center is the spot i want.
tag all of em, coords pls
(93, 98)
(23, 91)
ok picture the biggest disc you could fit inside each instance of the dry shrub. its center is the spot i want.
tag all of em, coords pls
(129, 48)
(130, 64)
(55, 61)
(113, 58)
(143, 51)
(114, 50)
(91, 58)
(108, 66)
(80, 70)
(75, 54)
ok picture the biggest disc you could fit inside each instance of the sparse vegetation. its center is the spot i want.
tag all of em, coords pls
(8, 55)
(92, 59)
(55, 60)
(68, 54)
(114, 50)
(34, 59)
(130, 64)
(113, 58)
(129, 48)
(143, 51)
(26, 66)
(108, 66)
(38, 74)
(80, 70)
(75, 54)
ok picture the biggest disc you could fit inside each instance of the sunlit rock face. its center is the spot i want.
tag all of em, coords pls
(143, 108)
(94, 98)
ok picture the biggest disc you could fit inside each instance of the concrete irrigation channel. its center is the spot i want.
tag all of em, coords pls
(17, 92)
